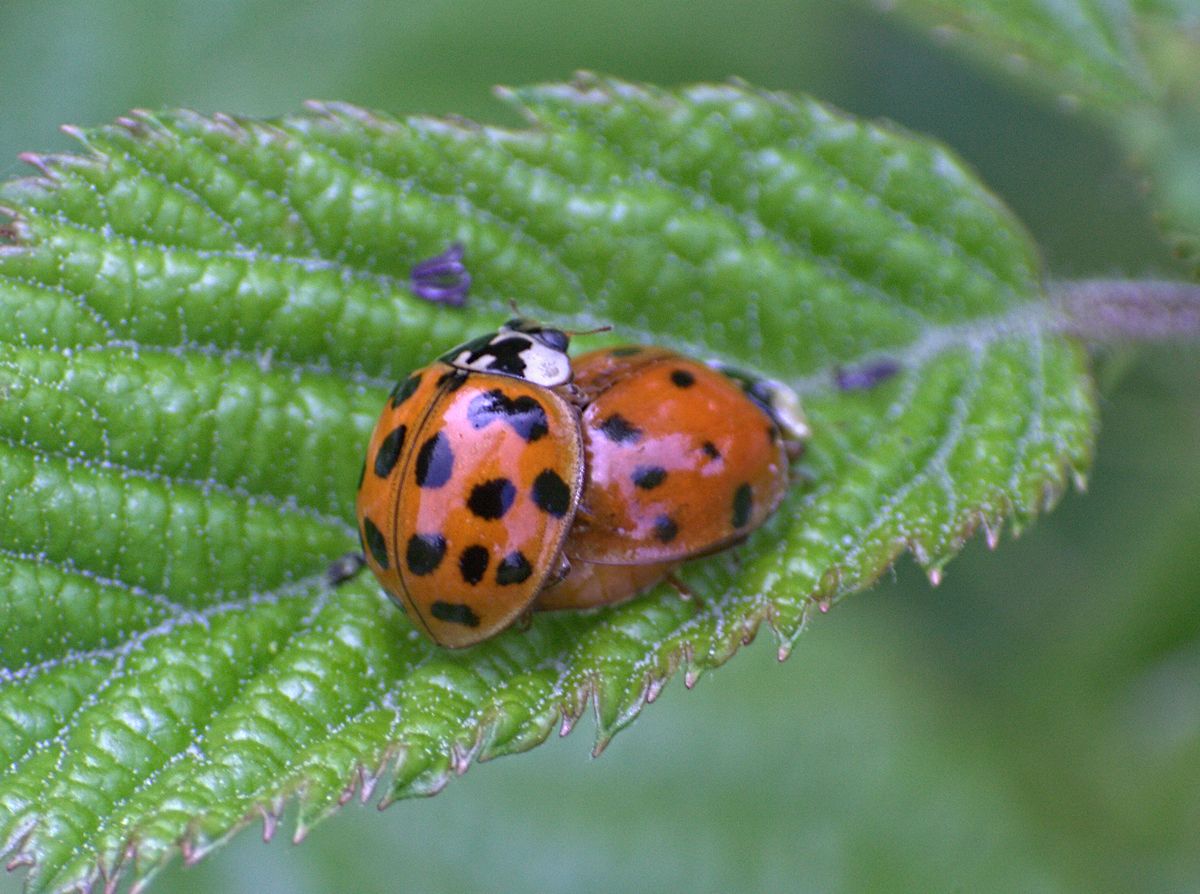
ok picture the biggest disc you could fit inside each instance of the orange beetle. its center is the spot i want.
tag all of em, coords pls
(471, 483)
(682, 459)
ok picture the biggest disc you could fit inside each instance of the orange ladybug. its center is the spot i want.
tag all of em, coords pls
(682, 459)
(471, 483)
(494, 485)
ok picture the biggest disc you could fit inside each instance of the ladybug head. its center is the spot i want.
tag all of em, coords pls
(520, 348)
(555, 339)
(776, 399)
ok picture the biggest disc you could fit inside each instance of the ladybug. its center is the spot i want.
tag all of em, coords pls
(683, 459)
(472, 481)
(501, 479)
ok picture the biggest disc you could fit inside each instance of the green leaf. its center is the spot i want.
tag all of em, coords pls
(1134, 65)
(1087, 51)
(202, 316)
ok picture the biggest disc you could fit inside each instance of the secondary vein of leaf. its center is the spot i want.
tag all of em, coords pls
(179, 616)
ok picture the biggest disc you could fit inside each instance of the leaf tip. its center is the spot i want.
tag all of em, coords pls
(20, 861)
(75, 132)
(568, 723)
(14, 232)
(351, 787)
(270, 820)
(135, 125)
(335, 110)
(39, 161)
(461, 758)
(52, 165)
(654, 688)
(188, 849)
(371, 779)
(991, 532)
(787, 638)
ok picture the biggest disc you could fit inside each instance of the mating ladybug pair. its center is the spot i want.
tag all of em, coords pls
(503, 478)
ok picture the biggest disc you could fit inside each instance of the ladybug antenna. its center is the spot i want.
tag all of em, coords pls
(598, 329)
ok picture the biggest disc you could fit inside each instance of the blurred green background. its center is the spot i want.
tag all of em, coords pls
(1032, 724)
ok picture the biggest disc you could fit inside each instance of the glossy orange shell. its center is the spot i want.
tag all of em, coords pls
(470, 486)
(680, 462)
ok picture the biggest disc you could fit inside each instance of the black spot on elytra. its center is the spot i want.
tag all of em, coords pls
(492, 499)
(473, 563)
(649, 477)
(375, 543)
(620, 430)
(454, 613)
(424, 553)
(628, 351)
(389, 451)
(524, 415)
(710, 449)
(453, 379)
(682, 378)
(665, 528)
(404, 390)
(551, 493)
(435, 462)
(513, 569)
(743, 502)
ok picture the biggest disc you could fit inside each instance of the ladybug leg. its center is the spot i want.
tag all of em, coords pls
(583, 515)
(524, 620)
(686, 593)
(574, 395)
(560, 573)
(564, 567)
(343, 568)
